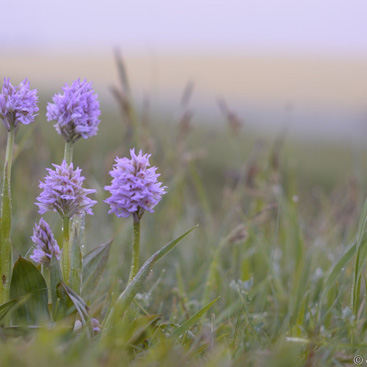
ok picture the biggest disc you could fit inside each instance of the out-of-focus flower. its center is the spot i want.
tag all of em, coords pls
(134, 186)
(17, 104)
(63, 192)
(45, 243)
(76, 111)
(96, 325)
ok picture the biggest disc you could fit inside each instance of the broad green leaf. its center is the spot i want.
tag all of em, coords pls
(127, 296)
(10, 306)
(6, 307)
(76, 257)
(192, 320)
(94, 263)
(27, 280)
(55, 279)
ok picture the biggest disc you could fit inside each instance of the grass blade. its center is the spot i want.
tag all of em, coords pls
(127, 296)
(192, 320)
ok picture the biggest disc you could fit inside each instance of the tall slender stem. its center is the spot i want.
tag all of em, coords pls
(66, 250)
(68, 156)
(136, 249)
(5, 227)
(68, 153)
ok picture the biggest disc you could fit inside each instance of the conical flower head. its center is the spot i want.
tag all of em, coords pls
(63, 192)
(76, 111)
(134, 186)
(17, 104)
(45, 243)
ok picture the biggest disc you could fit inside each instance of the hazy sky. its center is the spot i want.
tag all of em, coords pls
(337, 26)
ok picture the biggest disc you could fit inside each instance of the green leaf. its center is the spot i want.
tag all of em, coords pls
(79, 304)
(170, 245)
(140, 327)
(6, 307)
(361, 258)
(76, 258)
(55, 279)
(5, 237)
(10, 306)
(336, 271)
(18, 331)
(27, 280)
(127, 296)
(94, 263)
(192, 320)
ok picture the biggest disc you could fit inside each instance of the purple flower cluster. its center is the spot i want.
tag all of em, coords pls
(63, 192)
(17, 104)
(134, 186)
(76, 111)
(45, 243)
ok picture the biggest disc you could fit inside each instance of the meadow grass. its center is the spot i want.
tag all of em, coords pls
(274, 274)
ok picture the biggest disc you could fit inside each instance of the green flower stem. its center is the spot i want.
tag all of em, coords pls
(66, 250)
(136, 249)
(5, 227)
(68, 156)
(68, 153)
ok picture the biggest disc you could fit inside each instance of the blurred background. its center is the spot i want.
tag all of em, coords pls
(263, 57)
(250, 94)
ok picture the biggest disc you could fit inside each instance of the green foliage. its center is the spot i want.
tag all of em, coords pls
(55, 279)
(74, 301)
(94, 263)
(76, 256)
(278, 242)
(27, 280)
(6, 222)
(10, 306)
(127, 296)
(192, 320)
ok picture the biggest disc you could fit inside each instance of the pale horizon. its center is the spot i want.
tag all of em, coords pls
(257, 55)
(316, 27)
